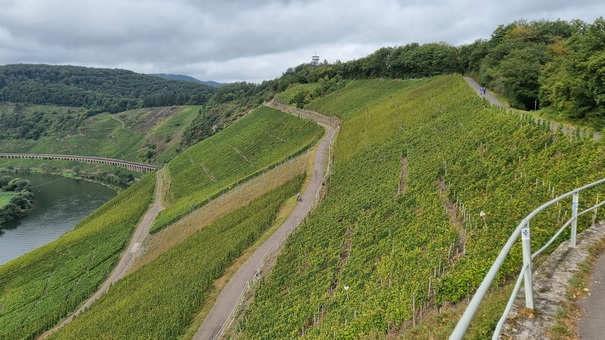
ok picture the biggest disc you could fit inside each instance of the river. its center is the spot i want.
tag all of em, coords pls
(60, 203)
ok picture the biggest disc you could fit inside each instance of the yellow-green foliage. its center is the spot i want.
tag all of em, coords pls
(159, 300)
(41, 287)
(257, 142)
(394, 247)
(288, 95)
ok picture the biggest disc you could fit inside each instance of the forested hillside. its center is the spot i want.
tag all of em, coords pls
(187, 78)
(96, 89)
(400, 228)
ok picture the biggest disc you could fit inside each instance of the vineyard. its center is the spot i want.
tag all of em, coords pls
(42, 287)
(429, 181)
(159, 300)
(254, 144)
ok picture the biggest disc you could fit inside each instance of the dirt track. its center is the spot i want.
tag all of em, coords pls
(220, 315)
(133, 250)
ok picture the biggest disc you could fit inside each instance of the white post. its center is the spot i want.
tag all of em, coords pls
(528, 279)
(574, 218)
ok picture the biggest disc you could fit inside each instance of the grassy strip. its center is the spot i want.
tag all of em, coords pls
(5, 198)
(41, 287)
(159, 300)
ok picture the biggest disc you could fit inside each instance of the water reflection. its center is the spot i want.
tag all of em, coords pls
(60, 203)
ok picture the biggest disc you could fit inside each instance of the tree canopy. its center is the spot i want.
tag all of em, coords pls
(96, 89)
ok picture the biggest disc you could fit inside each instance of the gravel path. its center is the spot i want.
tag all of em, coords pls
(221, 313)
(134, 250)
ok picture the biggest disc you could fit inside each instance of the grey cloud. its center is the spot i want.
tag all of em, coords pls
(247, 39)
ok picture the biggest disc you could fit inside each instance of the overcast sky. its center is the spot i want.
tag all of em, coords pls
(249, 40)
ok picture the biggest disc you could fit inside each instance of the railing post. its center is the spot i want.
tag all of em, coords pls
(528, 278)
(574, 218)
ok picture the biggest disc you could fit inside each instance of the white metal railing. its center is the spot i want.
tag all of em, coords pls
(526, 271)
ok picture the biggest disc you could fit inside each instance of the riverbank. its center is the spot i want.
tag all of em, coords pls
(17, 198)
(60, 204)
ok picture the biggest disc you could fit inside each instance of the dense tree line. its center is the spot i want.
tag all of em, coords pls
(97, 89)
(22, 200)
(558, 65)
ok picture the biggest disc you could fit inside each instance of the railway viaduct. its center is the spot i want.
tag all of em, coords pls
(133, 166)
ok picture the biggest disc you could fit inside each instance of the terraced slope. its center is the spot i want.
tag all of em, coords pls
(400, 228)
(41, 287)
(257, 142)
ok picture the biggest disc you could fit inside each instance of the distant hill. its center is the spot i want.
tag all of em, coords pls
(187, 78)
(96, 89)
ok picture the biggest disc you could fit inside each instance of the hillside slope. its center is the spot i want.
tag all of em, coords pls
(149, 135)
(96, 89)
(43, 286)
(257, 142)
(414, 166)
(40, 288)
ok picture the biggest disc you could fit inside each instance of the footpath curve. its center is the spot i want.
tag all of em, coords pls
(132, 252)
(227, 302)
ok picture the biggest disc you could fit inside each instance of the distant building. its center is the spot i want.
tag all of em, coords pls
(315, 60)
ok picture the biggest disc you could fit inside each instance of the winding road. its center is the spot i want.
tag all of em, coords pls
(133, 250)
(222, 311)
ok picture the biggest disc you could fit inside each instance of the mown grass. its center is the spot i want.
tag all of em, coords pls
(5, 198)
(40, 288)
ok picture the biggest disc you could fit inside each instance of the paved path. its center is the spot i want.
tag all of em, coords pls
(592, 320)
(221, 313)
(566, 129)
(133, 251)
(487, 94)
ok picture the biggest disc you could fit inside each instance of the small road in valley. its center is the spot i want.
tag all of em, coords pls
(227, 302)
(133, 250)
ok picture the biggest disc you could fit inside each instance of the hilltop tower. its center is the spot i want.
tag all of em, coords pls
(315, 60)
